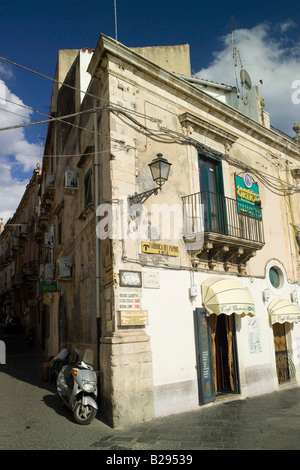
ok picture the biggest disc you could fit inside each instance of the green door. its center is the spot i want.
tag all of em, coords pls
(212, 194)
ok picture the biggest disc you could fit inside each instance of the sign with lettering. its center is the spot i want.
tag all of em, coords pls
(108, 277)
(129, 301)
(160, 249)
(132, 318)
(48, 287)
(239, 309)
(204, 358)
(247, 194)
(107, 254)
(151, 279)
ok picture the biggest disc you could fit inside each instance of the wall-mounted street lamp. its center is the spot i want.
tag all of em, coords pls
(160, 169)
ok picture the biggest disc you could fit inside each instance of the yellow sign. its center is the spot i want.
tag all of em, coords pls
(133, 318)
(47, 298)
(160, 249)
(108, 277)
(107, 254)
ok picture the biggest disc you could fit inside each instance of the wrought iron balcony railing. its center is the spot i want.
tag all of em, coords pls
(210, 212)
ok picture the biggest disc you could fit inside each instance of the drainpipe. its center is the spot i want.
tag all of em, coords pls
(97, 203)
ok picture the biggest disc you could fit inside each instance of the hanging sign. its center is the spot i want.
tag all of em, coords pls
(47, 298)
(48, 287)
(107, 254)
(204, 358)
(247, 194)
(108, 277)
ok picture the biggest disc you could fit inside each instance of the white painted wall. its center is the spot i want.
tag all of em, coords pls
(172, 332)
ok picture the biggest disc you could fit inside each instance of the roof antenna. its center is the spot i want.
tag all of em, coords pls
(236, 56)
(244, 76)
(116, 24)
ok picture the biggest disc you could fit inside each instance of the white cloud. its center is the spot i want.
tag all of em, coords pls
(17, 154)
(287, 25)
(13, 141)
(11, 192)
(268, 54)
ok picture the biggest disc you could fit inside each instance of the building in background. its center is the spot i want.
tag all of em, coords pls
(187, 288)
(19, 261)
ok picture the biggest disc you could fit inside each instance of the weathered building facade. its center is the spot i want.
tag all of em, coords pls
(190, 293)
(19, 261)
(218, 270)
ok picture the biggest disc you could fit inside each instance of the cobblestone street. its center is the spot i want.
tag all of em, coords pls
(33, 418)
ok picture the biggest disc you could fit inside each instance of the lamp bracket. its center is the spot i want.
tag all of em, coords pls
(142, 197)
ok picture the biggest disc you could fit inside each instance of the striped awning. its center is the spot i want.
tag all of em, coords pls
(225, 295)
(282, 311)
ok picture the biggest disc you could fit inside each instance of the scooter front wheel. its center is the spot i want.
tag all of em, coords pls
(84, 414)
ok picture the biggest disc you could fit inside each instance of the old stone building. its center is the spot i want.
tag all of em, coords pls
(185, 284)
(19, 261)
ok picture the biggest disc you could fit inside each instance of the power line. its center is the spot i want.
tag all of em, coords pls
(52, 119)
(108, 103)
(160, 135)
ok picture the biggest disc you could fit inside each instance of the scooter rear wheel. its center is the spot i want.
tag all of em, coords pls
(84, 414)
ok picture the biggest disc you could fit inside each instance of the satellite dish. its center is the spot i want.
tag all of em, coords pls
(245, 79)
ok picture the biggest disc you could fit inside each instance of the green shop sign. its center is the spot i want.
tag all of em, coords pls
(48, 287)
(247, 195)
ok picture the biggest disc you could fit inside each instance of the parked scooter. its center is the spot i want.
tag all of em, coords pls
(77, 387)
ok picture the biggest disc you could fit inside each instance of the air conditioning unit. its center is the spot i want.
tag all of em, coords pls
(71, 180)
(16, 243)
(49, 271)
(50, 179)
(48, 239)
(65, 267)
(24, 229)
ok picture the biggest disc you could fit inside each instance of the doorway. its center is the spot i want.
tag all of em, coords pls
(283, 365)
(212, 194)
(224, 354)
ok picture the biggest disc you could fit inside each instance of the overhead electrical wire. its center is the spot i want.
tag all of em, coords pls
(75, 88)
(163, 135)
(268, 181)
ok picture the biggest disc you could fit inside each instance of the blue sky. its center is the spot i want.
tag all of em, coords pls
(32, 32)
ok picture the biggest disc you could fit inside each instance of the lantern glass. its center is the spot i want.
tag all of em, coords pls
(160, 169)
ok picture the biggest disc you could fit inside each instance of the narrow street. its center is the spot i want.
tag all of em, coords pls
(31, 417)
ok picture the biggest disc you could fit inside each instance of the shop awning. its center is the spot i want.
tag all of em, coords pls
(282, 310)
(222, 295)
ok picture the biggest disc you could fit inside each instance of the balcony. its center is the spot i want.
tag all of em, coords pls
(47, 200)
(29, 270)
(221, 230)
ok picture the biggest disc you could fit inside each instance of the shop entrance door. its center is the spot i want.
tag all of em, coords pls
(281, 353)
(224, 354)
(217, 364)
